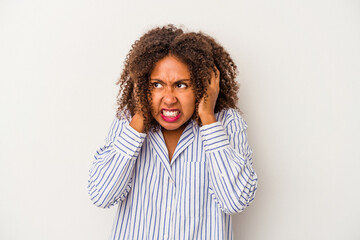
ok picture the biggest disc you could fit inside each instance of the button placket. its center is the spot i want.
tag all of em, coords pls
(172, 208)
(169, 209)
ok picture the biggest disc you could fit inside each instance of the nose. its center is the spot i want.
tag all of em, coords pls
(169, 97)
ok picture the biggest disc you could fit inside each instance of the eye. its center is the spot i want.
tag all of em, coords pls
(156, 85)
(181, 85)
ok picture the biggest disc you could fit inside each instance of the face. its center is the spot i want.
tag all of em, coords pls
(173, 99)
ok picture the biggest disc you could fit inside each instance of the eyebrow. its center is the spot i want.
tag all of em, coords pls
(180, 80)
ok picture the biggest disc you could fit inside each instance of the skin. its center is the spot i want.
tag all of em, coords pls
(171, 90)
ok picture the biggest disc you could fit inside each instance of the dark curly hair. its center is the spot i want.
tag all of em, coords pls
(198, 51)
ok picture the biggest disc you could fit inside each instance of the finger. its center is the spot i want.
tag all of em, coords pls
(136, 98)
(217, 74)
(134, 92)
(215, 79)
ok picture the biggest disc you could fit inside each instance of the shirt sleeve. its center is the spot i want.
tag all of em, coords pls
(110, 176)
(233, 180)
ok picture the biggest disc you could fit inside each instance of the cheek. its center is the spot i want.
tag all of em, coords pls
(190, 102)
(152, 102)
(154, 98)
(192, 98)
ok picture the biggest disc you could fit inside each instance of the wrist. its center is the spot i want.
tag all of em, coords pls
(207, 118)
(137, 122)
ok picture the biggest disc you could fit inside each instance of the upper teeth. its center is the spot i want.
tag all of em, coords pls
(170, 113)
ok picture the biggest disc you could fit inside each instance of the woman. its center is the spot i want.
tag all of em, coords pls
(176, 159)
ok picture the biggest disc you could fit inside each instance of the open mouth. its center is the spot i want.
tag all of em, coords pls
(170, 115)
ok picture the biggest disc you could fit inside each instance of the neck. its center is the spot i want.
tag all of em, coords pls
(176, 132)
(171, 138)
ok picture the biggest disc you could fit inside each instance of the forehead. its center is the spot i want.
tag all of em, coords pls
(170, 68)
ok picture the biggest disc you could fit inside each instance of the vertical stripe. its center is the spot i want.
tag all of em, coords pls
(209, 178)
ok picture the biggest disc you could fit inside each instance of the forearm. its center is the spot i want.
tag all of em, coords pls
(110, 176)
(232, 178)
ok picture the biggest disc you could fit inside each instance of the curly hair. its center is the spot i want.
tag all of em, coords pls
(198, 51)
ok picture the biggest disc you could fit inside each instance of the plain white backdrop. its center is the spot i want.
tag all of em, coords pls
(299, 65)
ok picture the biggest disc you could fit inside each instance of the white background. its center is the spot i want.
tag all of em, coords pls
(299, 64)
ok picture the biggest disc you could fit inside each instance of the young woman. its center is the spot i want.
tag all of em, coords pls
(176, 159)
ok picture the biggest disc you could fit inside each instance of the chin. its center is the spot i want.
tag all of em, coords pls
(174, 126)
(170, 126)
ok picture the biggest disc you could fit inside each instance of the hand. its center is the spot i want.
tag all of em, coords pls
(137, 121)
(207, 106)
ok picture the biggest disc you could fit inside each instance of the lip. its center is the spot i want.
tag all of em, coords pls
(170, 119)
(170, 109)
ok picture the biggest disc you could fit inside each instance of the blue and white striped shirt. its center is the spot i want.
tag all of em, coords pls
(209, 178)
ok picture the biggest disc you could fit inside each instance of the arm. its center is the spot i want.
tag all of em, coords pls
(232, 179)
(110, 174)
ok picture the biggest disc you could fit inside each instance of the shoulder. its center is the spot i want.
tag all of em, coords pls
(231, 117)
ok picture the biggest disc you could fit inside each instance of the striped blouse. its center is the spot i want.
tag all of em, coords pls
(209, 178)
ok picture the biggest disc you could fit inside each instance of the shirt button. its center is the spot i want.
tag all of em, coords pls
(171, 181)
(165, 236)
